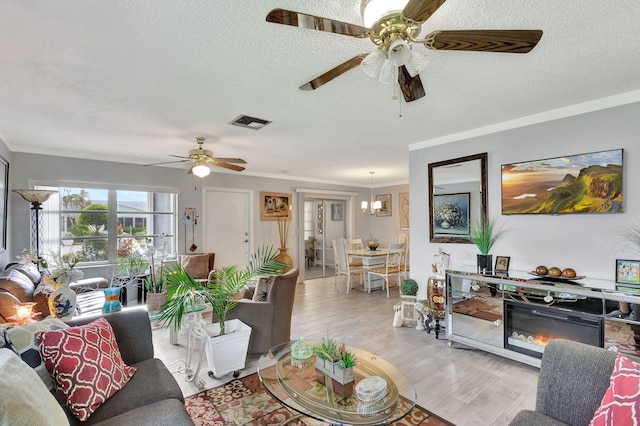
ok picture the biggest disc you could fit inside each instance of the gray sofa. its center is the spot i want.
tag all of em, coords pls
(152, 396)
(573, 379)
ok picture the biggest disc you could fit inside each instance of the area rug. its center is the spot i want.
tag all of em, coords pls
(620, 335)
(245, 402)
(483, 307)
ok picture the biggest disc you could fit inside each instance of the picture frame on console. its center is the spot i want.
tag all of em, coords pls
(628, 271)
(502, 265)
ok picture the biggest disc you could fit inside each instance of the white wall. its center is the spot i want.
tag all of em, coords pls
(589, 243)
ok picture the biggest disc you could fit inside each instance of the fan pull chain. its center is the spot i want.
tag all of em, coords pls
(395, 96)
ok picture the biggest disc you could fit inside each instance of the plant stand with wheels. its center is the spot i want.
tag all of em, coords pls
(227, 353)
(195, 325)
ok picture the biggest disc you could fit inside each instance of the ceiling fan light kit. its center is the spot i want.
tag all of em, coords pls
(201, 158)
(394, 26)
(200, 170)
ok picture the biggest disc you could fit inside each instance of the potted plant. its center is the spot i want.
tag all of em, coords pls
(484, 235)
(334, 360)
(185, 295)
(409, 288)
(154, 282)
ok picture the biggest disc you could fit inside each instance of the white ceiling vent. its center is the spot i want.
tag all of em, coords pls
(249, 122)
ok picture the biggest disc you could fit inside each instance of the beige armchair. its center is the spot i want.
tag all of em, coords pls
(270, 320)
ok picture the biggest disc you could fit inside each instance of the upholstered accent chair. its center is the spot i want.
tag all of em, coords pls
(198, 265)
(270, 320)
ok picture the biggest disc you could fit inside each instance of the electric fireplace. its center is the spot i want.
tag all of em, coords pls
(529, 327)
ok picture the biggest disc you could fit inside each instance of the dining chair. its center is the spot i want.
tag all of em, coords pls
(391, 267)
(405, 264)
(355, 244)
(343, 265)
(404, 260)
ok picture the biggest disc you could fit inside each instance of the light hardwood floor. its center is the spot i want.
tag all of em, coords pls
(465, 386)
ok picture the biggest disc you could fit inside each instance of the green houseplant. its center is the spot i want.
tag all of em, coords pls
(335, 360)
(184, 293)
(409, 287)
(484, 234)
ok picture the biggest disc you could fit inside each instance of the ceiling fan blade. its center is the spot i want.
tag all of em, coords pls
(411, 87)
(219, 163)
(190, 172)
(165, 162)
(231, 160)
(421, 10)
(333, 73)
(508, 41)
(180, 156)
(302, 20)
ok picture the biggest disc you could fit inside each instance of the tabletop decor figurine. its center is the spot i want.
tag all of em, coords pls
(442, 262)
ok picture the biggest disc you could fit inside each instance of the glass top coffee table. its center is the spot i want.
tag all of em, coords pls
(298, 385)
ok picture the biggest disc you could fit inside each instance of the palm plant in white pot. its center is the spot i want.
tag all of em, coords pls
(185, 294)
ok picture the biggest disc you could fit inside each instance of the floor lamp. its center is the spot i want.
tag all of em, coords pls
(36, 197)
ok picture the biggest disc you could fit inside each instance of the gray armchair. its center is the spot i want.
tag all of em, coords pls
(573, 379)
(270, 321)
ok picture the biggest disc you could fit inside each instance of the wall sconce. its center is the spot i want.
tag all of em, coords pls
(375, 205)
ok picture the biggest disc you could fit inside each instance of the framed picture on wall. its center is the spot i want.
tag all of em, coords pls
(583, 183)
(386, 205)
(336, 212)
(274, 205)
(4, 193)
(403, 205)
(451, 213)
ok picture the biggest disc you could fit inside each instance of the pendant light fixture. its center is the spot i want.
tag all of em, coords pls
(375, 205)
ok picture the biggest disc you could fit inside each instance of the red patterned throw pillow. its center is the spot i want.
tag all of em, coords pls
(621, 402)
(85, 364)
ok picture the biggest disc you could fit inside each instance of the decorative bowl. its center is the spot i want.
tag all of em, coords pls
(372, 246)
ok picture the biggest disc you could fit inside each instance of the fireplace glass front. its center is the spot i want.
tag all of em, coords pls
(529, 327)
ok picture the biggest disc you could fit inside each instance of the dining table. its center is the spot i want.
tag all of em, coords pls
(371, 259)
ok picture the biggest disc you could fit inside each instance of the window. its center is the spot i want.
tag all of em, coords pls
(103, 225)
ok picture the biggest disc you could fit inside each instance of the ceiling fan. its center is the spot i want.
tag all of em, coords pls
(394, 29)
(200, 157)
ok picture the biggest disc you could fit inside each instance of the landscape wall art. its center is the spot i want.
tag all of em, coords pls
(585, 183)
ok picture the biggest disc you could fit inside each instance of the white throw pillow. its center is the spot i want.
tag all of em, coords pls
(25, 399)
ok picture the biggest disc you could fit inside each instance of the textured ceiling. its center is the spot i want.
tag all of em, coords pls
(135, 81)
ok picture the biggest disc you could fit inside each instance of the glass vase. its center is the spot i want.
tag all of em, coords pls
(111, 300)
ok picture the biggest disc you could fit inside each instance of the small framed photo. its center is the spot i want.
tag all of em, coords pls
(628, 271)
(336, 212)
(502, 264)
(386, 205)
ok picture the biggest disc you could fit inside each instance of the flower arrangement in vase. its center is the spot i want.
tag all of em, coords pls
(62, 299)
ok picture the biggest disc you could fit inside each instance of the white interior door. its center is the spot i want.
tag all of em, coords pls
(227, 225)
